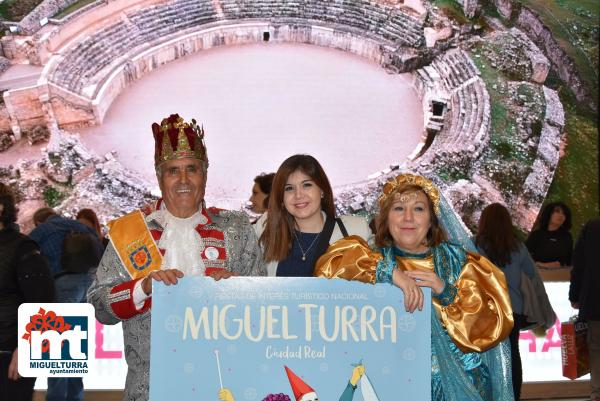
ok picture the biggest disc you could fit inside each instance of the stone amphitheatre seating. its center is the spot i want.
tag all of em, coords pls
(89, 56)
(466, 123)
(90, 59)
(383, 21)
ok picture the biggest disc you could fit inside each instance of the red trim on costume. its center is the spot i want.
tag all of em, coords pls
(215, 235)
(156, 234)
(125, 309)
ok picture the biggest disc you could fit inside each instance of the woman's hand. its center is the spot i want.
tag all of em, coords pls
(427, 279)
(554, 264)
(13, 367)
(413, 295)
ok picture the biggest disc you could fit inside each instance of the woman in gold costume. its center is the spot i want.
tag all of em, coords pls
(472, 310)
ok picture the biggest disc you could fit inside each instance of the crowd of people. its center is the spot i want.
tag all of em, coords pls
(478, 297)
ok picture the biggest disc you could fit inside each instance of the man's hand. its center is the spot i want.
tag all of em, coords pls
(413, 295)
(13, 368)
(225, 395)
(168, 276)
(221, 273)
(357, 373)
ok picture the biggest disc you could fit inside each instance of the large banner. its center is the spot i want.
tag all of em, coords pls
(261, 336)
(541, 355)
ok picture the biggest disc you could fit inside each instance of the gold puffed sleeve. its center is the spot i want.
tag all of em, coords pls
(481, 314)
(349, 258)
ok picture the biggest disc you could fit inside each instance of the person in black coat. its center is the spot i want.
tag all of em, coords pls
(24, 277)
(551, 243)
(584, 293)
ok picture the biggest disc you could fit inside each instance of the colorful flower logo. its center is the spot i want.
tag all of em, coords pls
(44, 321)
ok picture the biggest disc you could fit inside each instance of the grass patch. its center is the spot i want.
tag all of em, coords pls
(515, 68)
(15, 10)
(491, 10)
(501, 126)
(53, 196)
(452, 9)
(508, 159)
(500, 123)
(574, 24)
(576, 178)
(448, 174)
(72, 8)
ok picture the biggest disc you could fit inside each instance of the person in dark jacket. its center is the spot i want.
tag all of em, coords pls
(24, 277)
(584, 293)
(90, 219)
(71, 287)
(550, 243)
(496, 240)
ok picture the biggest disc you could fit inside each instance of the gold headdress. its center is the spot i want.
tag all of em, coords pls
(395, 184)
(175, 139)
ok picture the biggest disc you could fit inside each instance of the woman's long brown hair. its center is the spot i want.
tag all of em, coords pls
(496, 234)
(277, 237)
(90, 215)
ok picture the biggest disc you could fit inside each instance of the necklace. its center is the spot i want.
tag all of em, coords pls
(309, 247)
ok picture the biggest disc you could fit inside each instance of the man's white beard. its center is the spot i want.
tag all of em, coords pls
(309, 397)
(182, 244)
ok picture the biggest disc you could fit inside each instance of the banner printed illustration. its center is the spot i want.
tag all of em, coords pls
(247, 334)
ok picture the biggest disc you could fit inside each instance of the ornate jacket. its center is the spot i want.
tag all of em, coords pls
(471, 320)
(111, 293)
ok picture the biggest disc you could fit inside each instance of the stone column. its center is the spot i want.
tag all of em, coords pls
(50, 118)
(8, 46)
(12, 116)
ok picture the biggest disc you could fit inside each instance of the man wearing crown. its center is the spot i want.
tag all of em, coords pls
(175, 237)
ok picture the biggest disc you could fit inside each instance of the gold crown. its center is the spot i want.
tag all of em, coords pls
(395, 184)
(188, 139)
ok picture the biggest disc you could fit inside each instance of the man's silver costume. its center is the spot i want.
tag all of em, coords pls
(222, 240)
